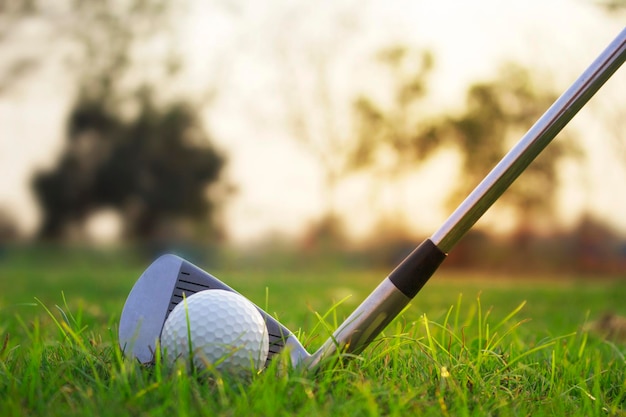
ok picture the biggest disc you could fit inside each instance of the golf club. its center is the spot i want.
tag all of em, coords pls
(161, 287)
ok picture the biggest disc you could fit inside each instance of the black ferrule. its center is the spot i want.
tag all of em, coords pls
(417, 268)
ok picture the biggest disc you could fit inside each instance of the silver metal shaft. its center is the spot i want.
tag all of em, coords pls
(365, 323)
(535, 140)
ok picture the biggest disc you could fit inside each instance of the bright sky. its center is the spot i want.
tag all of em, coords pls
(257, 52)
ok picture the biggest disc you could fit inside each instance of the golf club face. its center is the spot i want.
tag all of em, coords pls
(160, 288)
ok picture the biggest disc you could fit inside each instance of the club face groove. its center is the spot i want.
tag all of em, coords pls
(172, 278)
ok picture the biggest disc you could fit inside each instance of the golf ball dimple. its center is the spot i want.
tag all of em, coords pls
(225, 330)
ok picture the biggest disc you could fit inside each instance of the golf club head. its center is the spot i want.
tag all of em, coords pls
(160, 288)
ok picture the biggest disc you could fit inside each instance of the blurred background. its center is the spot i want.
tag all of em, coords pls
(321, 131)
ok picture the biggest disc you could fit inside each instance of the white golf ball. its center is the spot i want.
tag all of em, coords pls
(225, 330)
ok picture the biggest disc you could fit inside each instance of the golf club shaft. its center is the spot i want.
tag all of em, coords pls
(404, 282)
(535, 140)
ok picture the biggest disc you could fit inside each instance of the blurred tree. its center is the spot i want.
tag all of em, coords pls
(131, 146)
(104, 38)
(8, 230)
(612, 6)
(496, 114)
(390, 139)
(155, 168)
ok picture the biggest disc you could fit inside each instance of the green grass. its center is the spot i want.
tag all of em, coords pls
(468, 345)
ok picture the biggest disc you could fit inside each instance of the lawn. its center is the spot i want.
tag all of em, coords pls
(467, 345)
